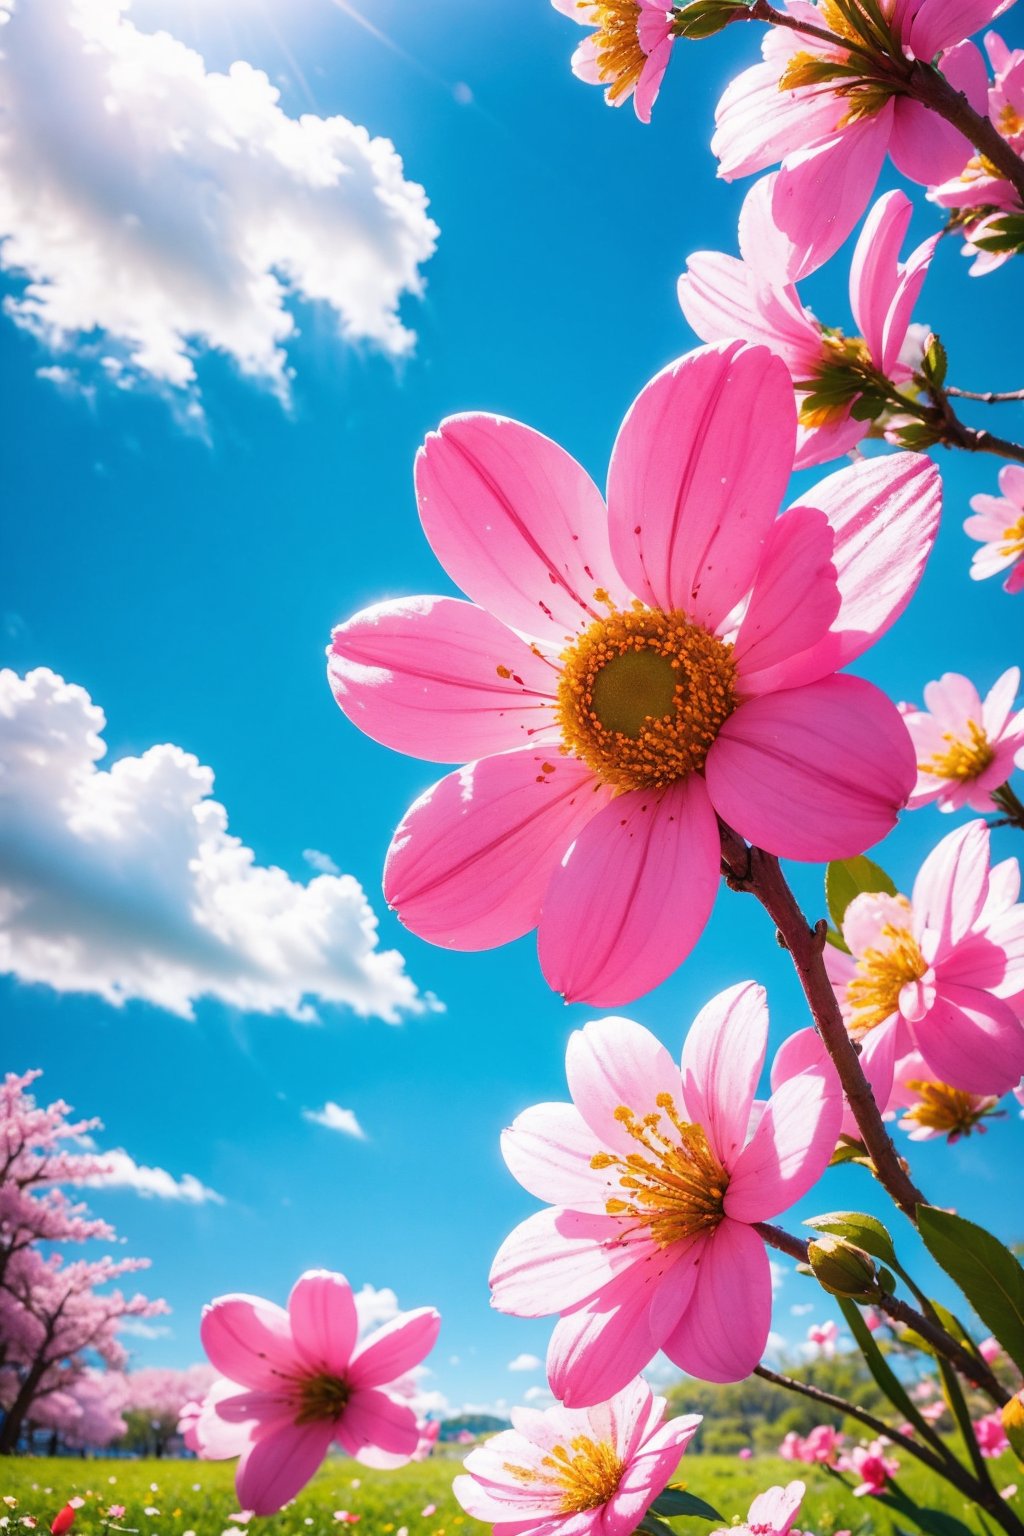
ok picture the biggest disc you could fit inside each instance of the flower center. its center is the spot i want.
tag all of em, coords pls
(676, 1186)
(1010, 122)
(947, 1109)
(964, 758)
(1013, 538)
(844, 372)
(588, 1473)
(874, 992)
(321, 1397)
(642, 696)
(620, 58)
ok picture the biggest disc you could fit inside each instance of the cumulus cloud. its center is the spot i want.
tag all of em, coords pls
(334, 1118)
(138, 1328)
(154, 208)
(125, 882)
(525, 1363)
(121, 1171)
(375, 1307)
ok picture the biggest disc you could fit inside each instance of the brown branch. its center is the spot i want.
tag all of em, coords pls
(986, 396)
(957, 434)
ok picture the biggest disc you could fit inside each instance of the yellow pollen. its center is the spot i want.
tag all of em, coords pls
(1009, 122)
(642, 696)
(321, 1397)
(874, 992)
(964, 758)
(587, 1473)
(1013, 538)
(620, 58)
(676, 1186)
(947, 1109)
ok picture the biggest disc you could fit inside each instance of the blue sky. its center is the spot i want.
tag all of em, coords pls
(188, 577)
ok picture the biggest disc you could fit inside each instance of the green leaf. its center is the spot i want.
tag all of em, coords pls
(703, 18)
(867, 407)
(677, 1501)
(655, 1527)
(847, 878)
(835, 938)
(866, 1232)
(935, 362)
(987, 1272)
(935, 1522)
(883, 1373)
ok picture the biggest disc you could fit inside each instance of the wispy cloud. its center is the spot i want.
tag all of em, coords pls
(334, 1118)
(123, 1172)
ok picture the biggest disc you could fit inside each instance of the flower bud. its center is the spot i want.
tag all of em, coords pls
(841, 1268)
(1013, 1424)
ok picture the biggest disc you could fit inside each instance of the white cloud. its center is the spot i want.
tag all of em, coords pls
(778, 1273)
(321, 862)
(336, 1119)
(375, 1307)
(525, 1363)
(138, 1328)
(125, 883)
(156, 208)
(539, 1395)
(121, 1171)
(801, 1308)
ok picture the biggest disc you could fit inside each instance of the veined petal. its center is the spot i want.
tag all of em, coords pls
(794, 600)
(558, 1259)
(756, 124)
(548, 1149)
(281, 1462)
(470, 863)
(323, 1320)
(971, 1041)
(723, 1332)
(395, 1348)
(612, 1063)
(632, 896)
(721, 298)
(952, 884)
(250, 1341)
(375, 1418)
(789, 1151)
(647, 1474)
(722, 1059)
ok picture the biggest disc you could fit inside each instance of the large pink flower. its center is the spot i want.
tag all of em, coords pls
(628, 50)
(998, 525)
(572, 1472)
(631, 671)
(722, 296)
(932, 1108)
(657, 1178)
(942, 974)
(832, 133)
(965, 748)
(296, 1382)
(772, 1513)
(871, 1465)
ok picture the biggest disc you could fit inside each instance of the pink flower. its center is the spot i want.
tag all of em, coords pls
(872, 1320)
(933, 1412)
(935, 1109)
(346, 1517)
(428, 1510)
(823, 1444)
(771, 1514)
(297, 1381)
(871, 1465)
(656, 1184)
(188, 1420)
(990, 1434)
(428, 1433)
(965, 748)
(722, 296)
(832, 134)
(791, 1448)
(639, 669)
(62, 1521)
(998, 526)
(744, 1453)
(589, 1472)
(116, 1512)
(628, 51)
(823, 1336)
(943, 974)
(990, 1350)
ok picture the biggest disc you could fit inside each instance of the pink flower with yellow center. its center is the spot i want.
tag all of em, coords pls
(965, 747)
(772, 1513)
(296, 1382)
(628, 50)
(931, 1108)
(657, 1176)
(941, 974)
(624, 673)
(572, 1472)
(872, 1466)
(998, 526)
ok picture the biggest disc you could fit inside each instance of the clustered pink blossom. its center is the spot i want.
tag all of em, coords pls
(871, 1465)
(966, 747)
(823, 1336)
(998, 526)
(821, 1446)
(576, 1472)
(990, 1434)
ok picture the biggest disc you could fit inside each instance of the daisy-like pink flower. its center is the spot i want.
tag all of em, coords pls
(806, 106)
(965, 748)
(990, 1434)
(772, 1513)
(933, 1109)
(871, 1465)
(656, 1178)
(998, 526)
(628, 50)
(572, 1472)
(823, 1444)
(823, 1336)
(723, 296)
(297, 1382)
(623, 673)
(941, 974)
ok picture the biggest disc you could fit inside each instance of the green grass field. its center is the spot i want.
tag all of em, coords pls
(177, 1498)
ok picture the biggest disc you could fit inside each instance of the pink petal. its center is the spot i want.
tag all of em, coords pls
(925, 148)
(794, 600)
(651, 76)
(817, 445)
(757, 124)
(517, 524)
(697, 474)
(615, 1062)
(952, 883)
(789, 1151)
(777, 1508)
(647, 1474)
(722, 1059)
(721, 297)
(279, 1464)
(632, 896)
(249, 1340)
(885, 513)
(229, 1420)
(882, 292)
(395, 1348)
(821, 191)
(972, 1041)
(375, 1419)
(470, 863)
(940, 24)
(548, 1149)
(440, 679)
(557, 1259)
(724, 1330)
(323, 1320)
(813, 773)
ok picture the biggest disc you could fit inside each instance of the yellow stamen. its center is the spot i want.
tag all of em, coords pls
(588, 1473)
(1013, 538)
(1009, 122)
(965, 757)
(620, 58)
(321, 1397)
(642, 696)
(676, 1186)
(947, 1109)
(874, 992)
